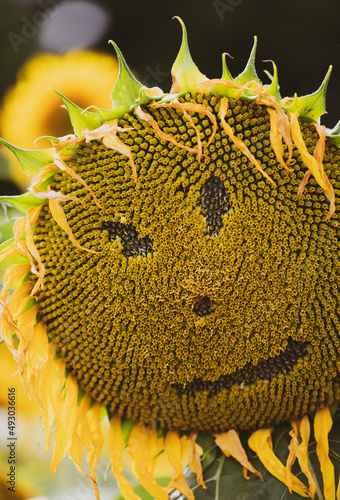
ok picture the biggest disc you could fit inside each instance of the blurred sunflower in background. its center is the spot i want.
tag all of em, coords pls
(177, 274)
(86, 77)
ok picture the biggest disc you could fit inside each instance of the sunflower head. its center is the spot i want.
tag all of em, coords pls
(181, 267)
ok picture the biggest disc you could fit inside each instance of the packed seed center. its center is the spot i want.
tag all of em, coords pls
(213, 299)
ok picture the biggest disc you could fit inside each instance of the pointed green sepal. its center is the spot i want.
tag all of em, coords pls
(274, 87)
(126, 90)
(225, 91)
(249, 73)
(312, 106)
(334, 134)
(79, 117)
(147, 95)
(50, 138)
(22, 202)
(185, 73)
(31, 160)
(226, 75)
(111, 114)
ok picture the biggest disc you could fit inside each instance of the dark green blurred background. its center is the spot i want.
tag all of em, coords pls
(301, 36)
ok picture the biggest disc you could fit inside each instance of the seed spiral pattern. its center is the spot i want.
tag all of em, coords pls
(204, 270)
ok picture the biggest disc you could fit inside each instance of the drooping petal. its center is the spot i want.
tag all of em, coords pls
(66, 423)
(95, 446)
(173, 448)
(302, 430)
(195, 460)
(51, 376)
(238, 142)
(143, 450)
(111, 141)
(116, 451)
(322, 425)
(261, 442)
(62, 166)
(149, 119)
(293, 446)
(13, 275)
(194, 108)
(315, 167)
(60, 218)
(229, 442)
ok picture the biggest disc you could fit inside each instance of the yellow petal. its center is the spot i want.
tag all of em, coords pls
(229, 442)
(94, 450)
(173, 448)
(276, 137)
(26, 323)
(39, 177)
(13, 275)
(100, 132)
(261, 442)
(116, 450)
(293, 446)
(88, 433)
(314, 164)
(59, 216)
(302, 430)
(7, 325)
(151, 121)
(62, 166)
(50, 383)
(238, 142)
(194, 108)
(195, 460)
(111, 141)
(19, 298)
(35, 357)
(143, 450)
(9, 251)
(66, 423)
(319, 150)
(322, 425)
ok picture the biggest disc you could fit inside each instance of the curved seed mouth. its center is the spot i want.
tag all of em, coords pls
(283, 363)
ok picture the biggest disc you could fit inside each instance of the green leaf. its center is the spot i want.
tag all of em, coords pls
(126, 89)
(80, 118)
(31, 160)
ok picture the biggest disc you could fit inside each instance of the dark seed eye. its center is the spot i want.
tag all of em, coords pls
(202, 307)
(215, 202)
(131, 242)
